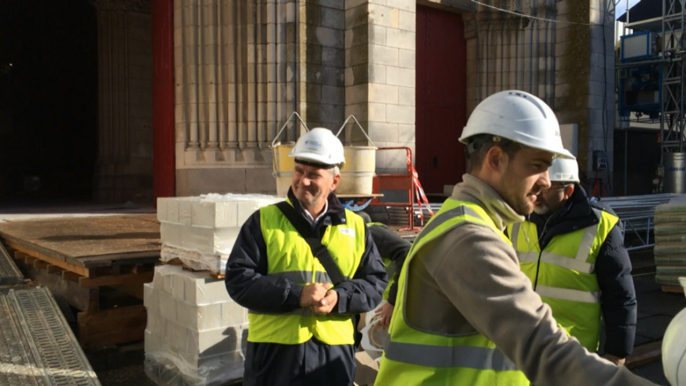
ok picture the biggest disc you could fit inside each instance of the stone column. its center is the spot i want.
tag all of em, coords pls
(124, 165)
(380, 46)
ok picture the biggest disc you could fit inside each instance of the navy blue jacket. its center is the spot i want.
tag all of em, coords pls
(393, 247)
(613, 268)
(249, 285)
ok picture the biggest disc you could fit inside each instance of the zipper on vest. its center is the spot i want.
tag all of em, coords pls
(540, 253)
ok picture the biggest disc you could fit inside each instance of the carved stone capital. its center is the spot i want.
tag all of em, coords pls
(122, 5)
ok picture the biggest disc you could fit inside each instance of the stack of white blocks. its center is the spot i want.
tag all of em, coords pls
(201, 231)
(195, 333)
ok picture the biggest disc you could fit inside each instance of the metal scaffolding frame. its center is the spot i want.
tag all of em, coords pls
(672, 45)
(672, 116)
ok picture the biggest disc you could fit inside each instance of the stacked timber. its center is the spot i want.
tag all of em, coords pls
(196, 333)
(200, 231)
(670, 243)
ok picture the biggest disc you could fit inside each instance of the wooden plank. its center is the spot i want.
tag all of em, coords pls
(71, 276)
(673, 288)
(27, 259)
(54, 269)
(112, 327)
(40, 264)
(644, 354)
(54, 261)
(83, 299)
(133, 289)
(89, 241)
(115, 279)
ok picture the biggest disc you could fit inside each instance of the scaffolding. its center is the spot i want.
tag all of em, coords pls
(668, 56)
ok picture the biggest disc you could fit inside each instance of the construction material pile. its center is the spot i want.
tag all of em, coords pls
(195, 333)
(200, 231)
(670, 241)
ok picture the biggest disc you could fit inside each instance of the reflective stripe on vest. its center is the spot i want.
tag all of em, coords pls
(568, 294)
(481, 358)
(290, 257)
(415, 356)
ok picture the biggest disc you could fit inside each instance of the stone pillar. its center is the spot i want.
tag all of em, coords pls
(380, 46)
(124, 165)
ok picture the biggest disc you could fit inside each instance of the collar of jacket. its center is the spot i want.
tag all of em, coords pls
(577, 213)
(474, 190)
(335, 214)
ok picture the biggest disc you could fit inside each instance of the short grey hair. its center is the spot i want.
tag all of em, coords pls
(335, 171)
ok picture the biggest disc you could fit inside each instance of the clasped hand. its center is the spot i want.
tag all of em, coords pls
(321, 298)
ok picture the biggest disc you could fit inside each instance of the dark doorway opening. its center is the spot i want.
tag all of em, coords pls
(48, 99)
(441, 98)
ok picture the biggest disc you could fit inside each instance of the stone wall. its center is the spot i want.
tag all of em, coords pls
(380, 45)
(236, 83)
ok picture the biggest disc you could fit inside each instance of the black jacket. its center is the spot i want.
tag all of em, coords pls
(249, 285)
(394, 248)
(613, 268)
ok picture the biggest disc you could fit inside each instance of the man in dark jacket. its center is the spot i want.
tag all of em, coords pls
(301, 330)
(393, 250)
(573, 252)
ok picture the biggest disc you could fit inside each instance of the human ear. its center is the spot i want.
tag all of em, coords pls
(336, 180)
(569, 190)
(495, 158)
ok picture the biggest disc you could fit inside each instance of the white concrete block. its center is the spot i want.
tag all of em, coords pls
(246, 209)
(170, 233)
(154, 322)
(168, 307)
(178, 287)
(162, 209)
(233, 314)
(153, 342)
(204, 290)
(208, 240)
(151, 299)
(185, 211)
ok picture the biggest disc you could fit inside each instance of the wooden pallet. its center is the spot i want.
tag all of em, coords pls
(673, 288)
(177, 261)
(97, 264)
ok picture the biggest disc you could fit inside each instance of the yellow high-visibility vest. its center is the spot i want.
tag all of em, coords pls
(418, 357)
(289, 255)
(564, 274)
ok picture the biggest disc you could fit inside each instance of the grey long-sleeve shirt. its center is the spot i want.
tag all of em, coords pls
(469, 281)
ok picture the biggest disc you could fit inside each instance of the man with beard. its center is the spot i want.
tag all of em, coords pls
(573, 253)
(301, 329)
(465, 313)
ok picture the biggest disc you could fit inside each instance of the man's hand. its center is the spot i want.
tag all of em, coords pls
(616, 360)
(327, 304)
(386, 312)
(313, 293)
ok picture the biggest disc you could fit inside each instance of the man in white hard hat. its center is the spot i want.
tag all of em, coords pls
(303, 268)
(465, 313)
(573, 253)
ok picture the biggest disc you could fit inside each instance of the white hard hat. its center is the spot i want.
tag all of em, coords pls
(674, 347)
(319, 146)
(564, 170)
(520, 117)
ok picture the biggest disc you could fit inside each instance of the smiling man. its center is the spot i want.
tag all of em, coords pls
(301, 326)
(465, 313)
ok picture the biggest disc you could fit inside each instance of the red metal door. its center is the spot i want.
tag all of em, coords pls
(441, 98)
